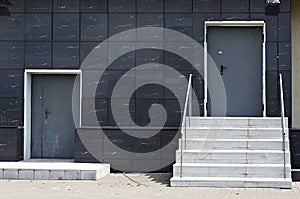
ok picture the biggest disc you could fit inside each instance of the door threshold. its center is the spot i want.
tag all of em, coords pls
(43, 160)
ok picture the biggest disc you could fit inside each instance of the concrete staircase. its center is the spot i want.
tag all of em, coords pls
(233, 152)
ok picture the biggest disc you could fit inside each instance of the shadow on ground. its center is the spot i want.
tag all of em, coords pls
(161, 178)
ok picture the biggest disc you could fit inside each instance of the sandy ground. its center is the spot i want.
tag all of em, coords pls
(133, 186)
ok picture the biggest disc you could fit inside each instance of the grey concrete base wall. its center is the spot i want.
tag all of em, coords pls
(11, 144)
(92, 145)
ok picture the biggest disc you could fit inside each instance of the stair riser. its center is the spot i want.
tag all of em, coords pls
(248, 172)
(233, 184)
(232, 141)
(228, 161)
(233, 134)
(237, 158)
(233, 145)
(200, 122)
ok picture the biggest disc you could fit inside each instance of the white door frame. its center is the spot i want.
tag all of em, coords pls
(236, 24)
(27, 101)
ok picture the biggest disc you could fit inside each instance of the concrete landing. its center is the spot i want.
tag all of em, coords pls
(52, 170)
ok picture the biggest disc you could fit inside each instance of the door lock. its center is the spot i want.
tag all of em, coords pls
(47, 114)
(222, 69)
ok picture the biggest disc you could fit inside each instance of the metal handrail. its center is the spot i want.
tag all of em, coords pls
(282, 123)
(187, 103)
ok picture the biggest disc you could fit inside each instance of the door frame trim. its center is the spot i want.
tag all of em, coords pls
(27, 101)
(261, 24)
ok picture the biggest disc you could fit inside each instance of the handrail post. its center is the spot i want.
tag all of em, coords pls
(183, 124)
(181, 153)
(190, 107)
(282, 124)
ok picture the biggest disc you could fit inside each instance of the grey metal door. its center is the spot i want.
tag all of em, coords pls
(237, 52)
(52, 120)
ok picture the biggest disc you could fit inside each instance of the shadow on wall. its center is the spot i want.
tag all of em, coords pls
(4, 5)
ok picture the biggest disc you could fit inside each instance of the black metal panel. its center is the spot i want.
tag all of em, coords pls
(93, 6)
(66, 27)
(38, 55)
(271, 24)
(294, 135)
(235, 17)
(122, 6)
(273, 108)
(14, 27)
(272, 55)
(121, 104)
(204, 6)
(284, 27)
(81, 153)
(86, 48)
(175, 115)
(150, 20)
(285, 6)
(287, 78)
(285, 56)
(176, 6)
(272, 85)
(11, 83)
(17, 6)
(90, 109)
(124, 62)
(93, 27)
(11, 111)
(148, 6)
(44, 6)
(11, 144)
(11, 55)
(235, 6)
(257, 6)
(149, 56)
(180, 22)
(66, 55)
(38, 27)
(198, 24)
(119, 23)
(66, 5)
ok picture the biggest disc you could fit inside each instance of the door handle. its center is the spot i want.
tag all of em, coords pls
(222, 69)
(47, 113)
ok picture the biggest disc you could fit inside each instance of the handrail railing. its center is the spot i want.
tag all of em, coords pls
(282, 123)
(187, 103)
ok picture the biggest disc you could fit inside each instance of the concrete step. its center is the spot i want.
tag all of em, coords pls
(232, 152)
(231, 170)
(235, 121)
(233, 133)
(233, 156)
(233, 144)
(52, 171)
(231, 182)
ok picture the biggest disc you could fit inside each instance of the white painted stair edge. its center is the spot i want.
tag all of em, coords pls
(231, 182)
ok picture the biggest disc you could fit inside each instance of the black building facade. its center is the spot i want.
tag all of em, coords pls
(59, 34)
